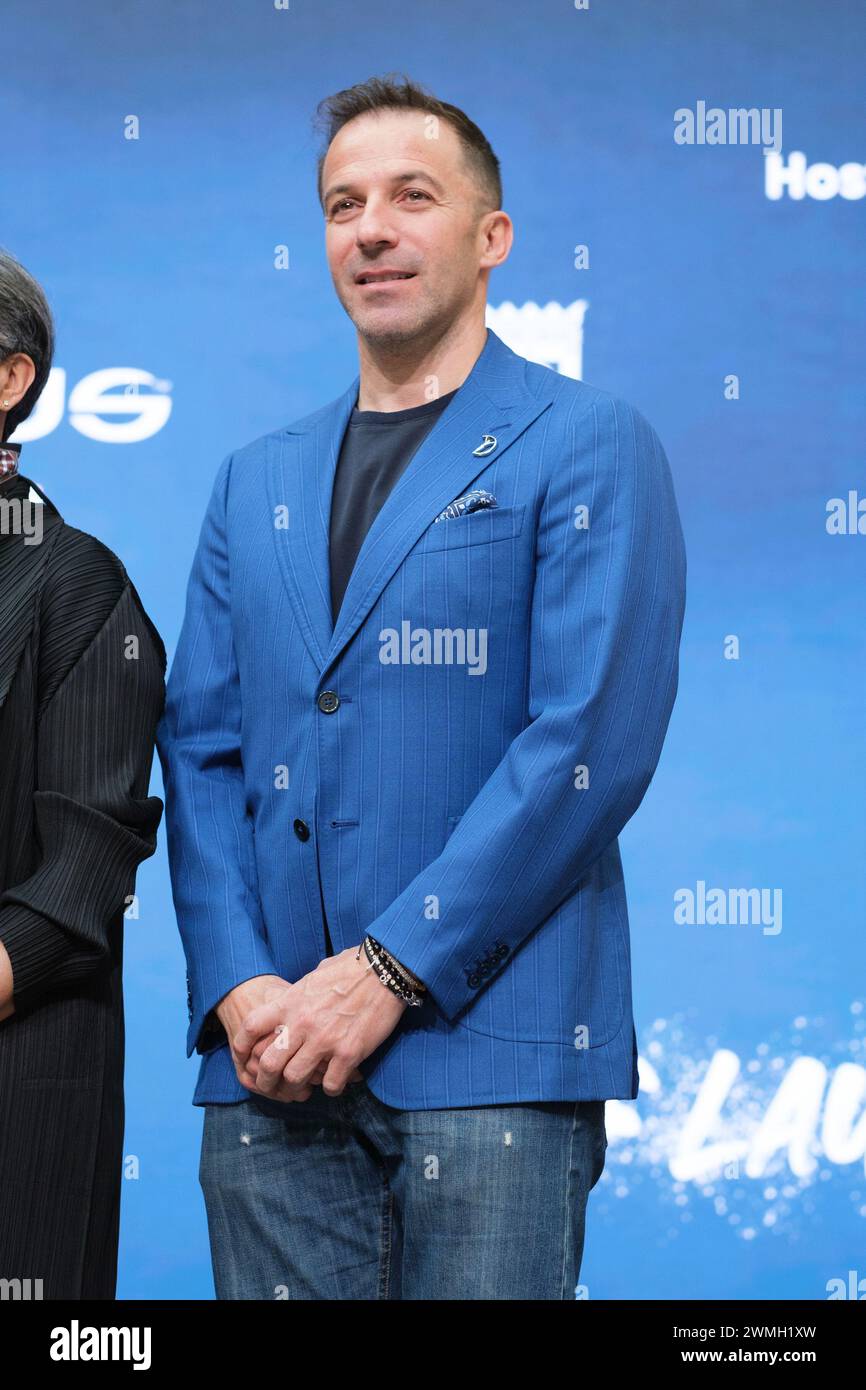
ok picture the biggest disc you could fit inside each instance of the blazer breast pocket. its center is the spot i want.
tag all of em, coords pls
(483, 527)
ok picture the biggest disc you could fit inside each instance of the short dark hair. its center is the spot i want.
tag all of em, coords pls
(397, 92)
(25, 326)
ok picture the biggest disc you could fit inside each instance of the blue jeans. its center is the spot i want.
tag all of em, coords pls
(344, 1197)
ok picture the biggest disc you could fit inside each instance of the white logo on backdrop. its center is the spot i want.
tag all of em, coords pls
(552, 335)
(756, 1134)
(822, 181)
(140, 400)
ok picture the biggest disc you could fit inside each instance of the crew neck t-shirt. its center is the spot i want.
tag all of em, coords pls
(377, 447)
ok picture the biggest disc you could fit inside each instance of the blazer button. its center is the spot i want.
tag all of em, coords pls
(328, 701)
(301, 829)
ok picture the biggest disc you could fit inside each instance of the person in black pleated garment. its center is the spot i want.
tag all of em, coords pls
(81, 691)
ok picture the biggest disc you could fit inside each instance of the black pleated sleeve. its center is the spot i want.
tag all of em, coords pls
(101, 670)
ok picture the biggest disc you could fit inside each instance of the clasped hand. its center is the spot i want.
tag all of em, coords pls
(317, 1031)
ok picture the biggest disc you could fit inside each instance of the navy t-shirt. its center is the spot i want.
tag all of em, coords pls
(377, 447)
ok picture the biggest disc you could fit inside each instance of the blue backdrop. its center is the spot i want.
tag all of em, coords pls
(157, 155)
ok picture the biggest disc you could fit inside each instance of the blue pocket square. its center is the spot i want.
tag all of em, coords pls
(470, 502)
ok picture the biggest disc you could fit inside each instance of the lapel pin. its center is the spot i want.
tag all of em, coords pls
(487, 445)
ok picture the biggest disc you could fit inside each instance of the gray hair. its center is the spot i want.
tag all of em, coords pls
(25, 326)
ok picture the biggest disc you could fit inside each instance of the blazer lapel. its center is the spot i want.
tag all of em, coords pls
(22, 569)
(301, 467)
(493, 400)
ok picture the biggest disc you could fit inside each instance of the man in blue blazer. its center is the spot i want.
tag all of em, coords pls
(425, 674)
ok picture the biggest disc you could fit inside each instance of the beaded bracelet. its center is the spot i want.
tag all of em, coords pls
(392, 974)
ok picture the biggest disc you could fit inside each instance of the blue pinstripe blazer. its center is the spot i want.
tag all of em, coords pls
(504, 681)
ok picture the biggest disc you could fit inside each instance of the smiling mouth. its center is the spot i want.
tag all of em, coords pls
(388, 278)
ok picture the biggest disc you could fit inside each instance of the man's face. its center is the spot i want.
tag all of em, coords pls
(398, 201)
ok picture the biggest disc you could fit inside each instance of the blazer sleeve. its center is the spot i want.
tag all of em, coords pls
(606, 617)
(94, 823)
(210, 838)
